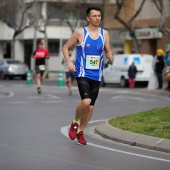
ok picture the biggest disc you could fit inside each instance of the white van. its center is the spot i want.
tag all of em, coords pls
(117, 72)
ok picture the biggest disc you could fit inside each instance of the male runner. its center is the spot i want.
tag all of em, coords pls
(91, 41)
(40, 56)
(69, 75)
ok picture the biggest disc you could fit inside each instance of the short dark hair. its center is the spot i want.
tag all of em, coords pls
(92, 8)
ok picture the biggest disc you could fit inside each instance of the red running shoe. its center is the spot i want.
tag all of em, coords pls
(81, 139)
(73, 130)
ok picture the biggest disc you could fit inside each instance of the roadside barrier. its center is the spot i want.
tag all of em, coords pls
(60, 78)
(29, 77)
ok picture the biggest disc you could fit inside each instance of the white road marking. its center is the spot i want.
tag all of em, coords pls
(127, 98)
(116, 97)
(159, 142)
(47, 96)
(20, 102)
(10, 95)
(123, 91)
(52, 96)
(64, 131)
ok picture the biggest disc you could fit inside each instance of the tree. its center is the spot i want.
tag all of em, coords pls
(68, 13)
(162, 26)
(14, 14)
(120, 4)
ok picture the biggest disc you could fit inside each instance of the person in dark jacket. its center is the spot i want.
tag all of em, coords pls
(167, 62)
(159, 66)
(132, 74)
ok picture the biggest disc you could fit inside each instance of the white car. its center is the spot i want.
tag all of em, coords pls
(117, 72)
(12, 68)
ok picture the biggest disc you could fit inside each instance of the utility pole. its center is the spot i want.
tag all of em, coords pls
(35, 33)
(44, 17)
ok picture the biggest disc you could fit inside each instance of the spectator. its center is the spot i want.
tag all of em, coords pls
(132, 74)
(167, 62)
(159, 66)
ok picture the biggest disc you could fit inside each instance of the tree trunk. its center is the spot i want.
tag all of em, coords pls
(13, 47)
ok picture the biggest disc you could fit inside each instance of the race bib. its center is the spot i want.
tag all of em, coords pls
(92, 61)
(42, 67)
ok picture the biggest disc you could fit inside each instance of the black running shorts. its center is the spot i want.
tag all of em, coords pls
(38, 71)
(70, 75)
(88, 88)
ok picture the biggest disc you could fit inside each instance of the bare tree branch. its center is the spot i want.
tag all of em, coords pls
(137, 13)
(157, 2)
(161, 8)
(23, 17)
(128, 24)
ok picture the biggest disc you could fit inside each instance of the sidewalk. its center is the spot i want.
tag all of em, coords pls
(134, 139)
(156, 91)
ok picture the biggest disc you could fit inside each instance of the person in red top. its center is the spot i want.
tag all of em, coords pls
(40, 56)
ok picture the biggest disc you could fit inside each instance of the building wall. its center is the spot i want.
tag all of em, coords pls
(149, 10)
(148, 46)
(146, 23)
(110, 9)
(6, 32)
(150, 17)
(19, 50)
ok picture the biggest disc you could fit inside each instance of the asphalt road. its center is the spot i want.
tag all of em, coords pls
(33, 130)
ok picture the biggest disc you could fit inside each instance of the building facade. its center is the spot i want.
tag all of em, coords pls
(145, 25)
(54, 23)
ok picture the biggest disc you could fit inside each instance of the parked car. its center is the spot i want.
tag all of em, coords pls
(117, 71)
(12, 68)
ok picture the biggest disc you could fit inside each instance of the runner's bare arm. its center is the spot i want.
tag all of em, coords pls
(47, 56)
(34, 55)
(108, 51)
(75, 38)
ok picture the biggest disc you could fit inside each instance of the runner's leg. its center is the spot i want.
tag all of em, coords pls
(86, 117)
(82, 108)
(69, 84)
(38, 76)
(88, 104)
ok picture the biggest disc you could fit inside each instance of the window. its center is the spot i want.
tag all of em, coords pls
(53, 47)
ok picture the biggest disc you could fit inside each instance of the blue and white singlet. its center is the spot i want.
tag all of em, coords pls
(89, 56)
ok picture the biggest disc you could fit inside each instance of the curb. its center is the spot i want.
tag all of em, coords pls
(132, 139)
(155, 91)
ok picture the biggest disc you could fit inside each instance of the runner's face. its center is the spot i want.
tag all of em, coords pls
(94, 17)
(40, 46)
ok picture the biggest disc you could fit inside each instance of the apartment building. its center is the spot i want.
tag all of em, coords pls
(55, 22)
